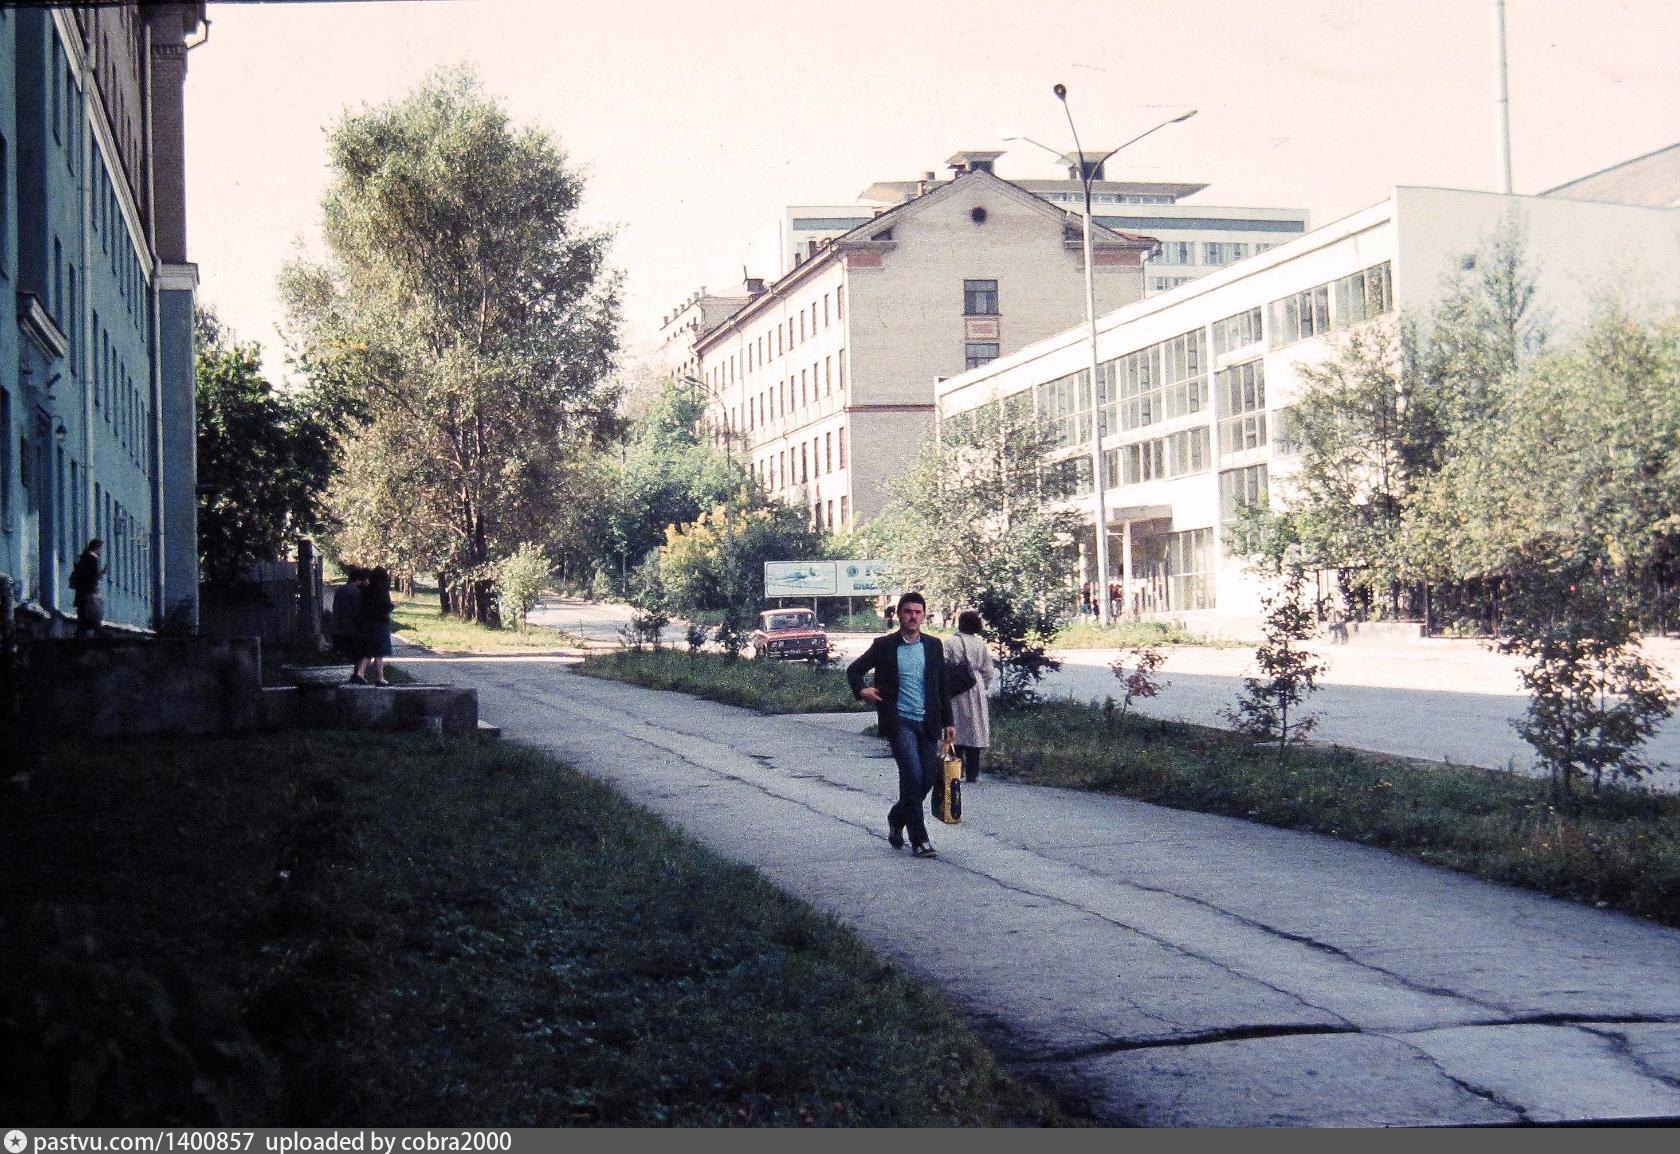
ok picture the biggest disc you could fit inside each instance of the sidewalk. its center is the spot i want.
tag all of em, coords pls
(1173, 968)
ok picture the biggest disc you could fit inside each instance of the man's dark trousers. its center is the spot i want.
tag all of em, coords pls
(918, 761)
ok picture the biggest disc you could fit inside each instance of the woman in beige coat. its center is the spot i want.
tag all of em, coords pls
(970, 710)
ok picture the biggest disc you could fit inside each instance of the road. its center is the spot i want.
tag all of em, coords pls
(1169, 968)
(1438, 700)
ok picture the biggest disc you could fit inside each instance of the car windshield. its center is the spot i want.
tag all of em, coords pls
(777, 621)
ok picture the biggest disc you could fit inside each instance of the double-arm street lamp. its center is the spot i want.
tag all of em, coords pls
(1087, 174)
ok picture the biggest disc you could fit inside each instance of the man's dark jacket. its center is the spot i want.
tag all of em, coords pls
(882, 657)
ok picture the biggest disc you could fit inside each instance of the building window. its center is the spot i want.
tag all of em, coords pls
(804, 465)
(1190, 569)
(825, 326)
(1176, 252)
(1363, 295)
(1165, 457)
(976, 353)
(1064, 409)
(1239, 488)
(1157, 383)
(1286, 437)
(1070, 477)
(1297, 317)
(980, 298)
(841, 357)
(828, 452)
(844, 512)
(842, 446)
(840, 302)
(1236, 332)
(828, 376)
(71, 328)
(831, 516)
(1222, 252)
(5, 460)
(1163, 283)
(1242, 407)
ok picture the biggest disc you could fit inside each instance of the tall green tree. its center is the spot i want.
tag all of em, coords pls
(1384, 414)
(466, 319)
(974, 522)
(265, 457)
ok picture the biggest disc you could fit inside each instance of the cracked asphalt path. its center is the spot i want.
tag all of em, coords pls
(1172, 968)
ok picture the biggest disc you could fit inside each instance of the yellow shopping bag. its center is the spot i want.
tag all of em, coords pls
(947, 788)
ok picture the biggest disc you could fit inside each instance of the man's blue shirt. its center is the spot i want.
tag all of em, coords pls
(912, 664)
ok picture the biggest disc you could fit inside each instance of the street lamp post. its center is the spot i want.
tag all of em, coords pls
(1098, 482)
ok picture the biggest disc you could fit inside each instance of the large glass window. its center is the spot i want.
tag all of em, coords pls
(977, 353)
(1242, 406)
(1236, 332)
(980, 298)
(1362, 295)
(1300, 316)
(1240, 487)
(1190, 569)
(1178, 455)
(1154, 384)
(1064, 408)
(1068, 478)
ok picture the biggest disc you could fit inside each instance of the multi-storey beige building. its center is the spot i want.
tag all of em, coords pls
(824, 383)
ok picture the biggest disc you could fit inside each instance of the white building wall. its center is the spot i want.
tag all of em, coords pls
(1577, 250)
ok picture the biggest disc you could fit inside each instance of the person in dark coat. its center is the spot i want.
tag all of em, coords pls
(347, 619)
(913, 707)
(84, 581)
(375, 619)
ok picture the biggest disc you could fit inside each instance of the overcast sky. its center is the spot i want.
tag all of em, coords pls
(698, 122)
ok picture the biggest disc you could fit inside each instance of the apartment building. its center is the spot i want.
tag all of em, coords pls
(1196, 239)
(96, 373)
(824, 382)
(1197, 383)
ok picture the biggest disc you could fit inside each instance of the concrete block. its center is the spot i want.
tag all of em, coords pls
(132, 687)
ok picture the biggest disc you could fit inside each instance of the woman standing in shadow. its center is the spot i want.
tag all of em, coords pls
(374, 615)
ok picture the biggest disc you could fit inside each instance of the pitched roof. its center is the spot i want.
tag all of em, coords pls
(863, 236)
(1652, 180)
(915, 205)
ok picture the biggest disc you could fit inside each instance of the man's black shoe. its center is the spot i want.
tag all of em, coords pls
(895, 836)
(925, 850)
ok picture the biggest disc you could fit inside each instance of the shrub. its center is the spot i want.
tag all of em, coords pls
(1289, 672)
(520, 578)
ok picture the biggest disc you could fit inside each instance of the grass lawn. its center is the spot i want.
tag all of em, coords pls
(768, 686)
(1621, 849)
(419, 622)
(330, 929)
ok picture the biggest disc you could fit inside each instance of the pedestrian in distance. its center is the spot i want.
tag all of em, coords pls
(375, 619)
(971, 709)
(85, 575)
(914, 710)
(347, 619)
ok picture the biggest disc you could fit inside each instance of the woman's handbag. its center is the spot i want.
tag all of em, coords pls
(947, 788)
(960, 678)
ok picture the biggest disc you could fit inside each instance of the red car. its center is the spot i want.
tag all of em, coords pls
(789, 634)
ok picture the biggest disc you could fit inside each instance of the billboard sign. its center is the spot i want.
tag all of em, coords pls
(861, 578)
(824, 578)
(799, 579)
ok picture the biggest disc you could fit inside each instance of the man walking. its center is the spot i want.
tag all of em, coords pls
(914, 709)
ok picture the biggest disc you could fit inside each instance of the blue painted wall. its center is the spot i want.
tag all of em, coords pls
(80, 381)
